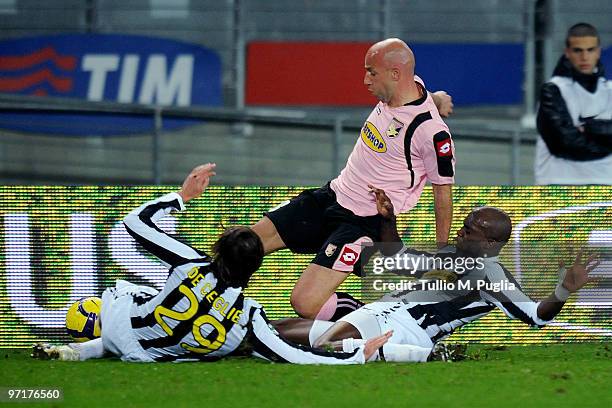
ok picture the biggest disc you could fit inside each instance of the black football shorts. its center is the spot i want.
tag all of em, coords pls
(314, 223)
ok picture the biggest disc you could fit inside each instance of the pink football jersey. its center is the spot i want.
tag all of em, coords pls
(398, 150)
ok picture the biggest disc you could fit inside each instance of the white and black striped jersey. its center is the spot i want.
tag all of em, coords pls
(440, 308)
(196, 316)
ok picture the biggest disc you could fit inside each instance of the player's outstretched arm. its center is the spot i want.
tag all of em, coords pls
(516, 304)
(141, 222)
(197, 181)
(575, 278)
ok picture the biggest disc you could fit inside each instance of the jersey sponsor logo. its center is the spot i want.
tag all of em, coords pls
(106, 67)
(443, 148)
(331, 248)
(372, 138)
(394, 128)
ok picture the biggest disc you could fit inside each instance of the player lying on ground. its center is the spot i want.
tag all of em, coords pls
(201, 313)
(420, 318)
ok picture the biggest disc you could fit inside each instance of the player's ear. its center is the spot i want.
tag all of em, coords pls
(395, 74)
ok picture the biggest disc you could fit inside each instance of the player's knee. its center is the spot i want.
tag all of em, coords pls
(304, 306)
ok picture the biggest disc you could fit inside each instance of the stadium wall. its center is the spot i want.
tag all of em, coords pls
(274, 155)
(58, 244)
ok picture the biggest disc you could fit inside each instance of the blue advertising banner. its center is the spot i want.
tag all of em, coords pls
(106, 67)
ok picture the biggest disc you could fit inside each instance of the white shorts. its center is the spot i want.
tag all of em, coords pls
(377, 318)
(117, 334)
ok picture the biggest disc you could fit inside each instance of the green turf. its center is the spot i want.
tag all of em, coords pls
(562, 375)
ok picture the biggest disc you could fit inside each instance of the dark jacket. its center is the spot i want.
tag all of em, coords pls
(555, 124)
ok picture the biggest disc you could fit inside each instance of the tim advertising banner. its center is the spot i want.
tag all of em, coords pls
(106, 67)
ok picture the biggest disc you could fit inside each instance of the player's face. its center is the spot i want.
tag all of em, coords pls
(471, 237)
(377, 77)
(583, 53)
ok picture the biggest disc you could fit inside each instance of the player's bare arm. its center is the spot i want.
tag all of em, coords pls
(575, 278)
(388, 232)
(443, 204)
(197, 181)
(371, 346)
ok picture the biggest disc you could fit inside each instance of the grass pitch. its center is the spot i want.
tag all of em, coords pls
(561, 375)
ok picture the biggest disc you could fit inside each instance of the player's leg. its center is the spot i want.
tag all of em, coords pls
(338, 331)
(313, 222)
(301, 331)
(316, 333)
(271, 239)
(294, 329)
(314, 288)
(70, 352)
(314, 295)
(370, 322)
(295, 224)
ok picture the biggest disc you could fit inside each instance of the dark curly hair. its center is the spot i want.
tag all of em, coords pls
(237, 254)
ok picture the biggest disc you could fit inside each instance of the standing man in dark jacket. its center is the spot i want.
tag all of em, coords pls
(575, 116)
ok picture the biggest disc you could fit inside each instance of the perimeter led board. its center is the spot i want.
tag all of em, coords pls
(58, 244)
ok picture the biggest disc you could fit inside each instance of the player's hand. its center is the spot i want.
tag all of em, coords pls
(578, 274)
(383, 203)
(444, 103)
(197, 181)
(372, 345)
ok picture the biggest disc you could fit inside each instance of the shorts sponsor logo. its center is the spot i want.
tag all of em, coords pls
(443, 148)
(350, 253)
(372, 138)
(331, 248)
(394, 128)
(348, 256)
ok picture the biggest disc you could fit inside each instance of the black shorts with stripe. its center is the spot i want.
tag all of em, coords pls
(314, 223)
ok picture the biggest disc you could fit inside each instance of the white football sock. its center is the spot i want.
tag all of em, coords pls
(89, 349)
